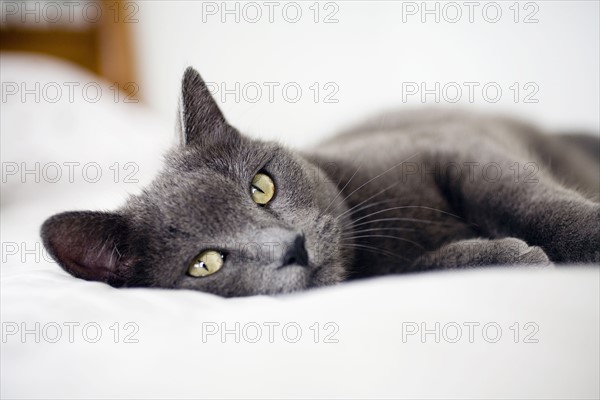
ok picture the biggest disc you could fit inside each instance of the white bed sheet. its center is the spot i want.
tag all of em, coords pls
(177, 356)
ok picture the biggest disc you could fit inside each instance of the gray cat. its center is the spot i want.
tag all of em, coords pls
(408, 192)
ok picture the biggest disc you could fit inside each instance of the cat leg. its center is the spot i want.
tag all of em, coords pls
(473, 253)
(538, 209)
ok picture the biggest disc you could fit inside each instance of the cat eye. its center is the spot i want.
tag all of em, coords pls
(206, 263)
(262, 188)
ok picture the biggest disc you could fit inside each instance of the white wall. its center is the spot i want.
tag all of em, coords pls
(371, 54)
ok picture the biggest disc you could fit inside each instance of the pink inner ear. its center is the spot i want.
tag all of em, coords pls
(87, 265)
(86, 244)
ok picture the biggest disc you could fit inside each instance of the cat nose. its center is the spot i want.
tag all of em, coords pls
(296, 253)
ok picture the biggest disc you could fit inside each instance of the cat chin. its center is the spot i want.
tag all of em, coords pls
(327, 275)
(320, 276)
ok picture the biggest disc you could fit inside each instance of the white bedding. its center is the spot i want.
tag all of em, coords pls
(371, 351)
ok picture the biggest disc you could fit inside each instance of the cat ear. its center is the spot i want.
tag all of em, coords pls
(200, 119)
(94, 246)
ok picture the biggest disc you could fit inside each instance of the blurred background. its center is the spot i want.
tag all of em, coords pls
(297, 71)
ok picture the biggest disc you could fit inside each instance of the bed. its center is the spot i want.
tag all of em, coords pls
(492, 333)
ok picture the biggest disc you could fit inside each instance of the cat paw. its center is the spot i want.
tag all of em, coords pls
(516, 251)
(473, 253)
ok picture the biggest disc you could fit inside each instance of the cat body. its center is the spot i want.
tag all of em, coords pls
(440, 177)
(408, 192)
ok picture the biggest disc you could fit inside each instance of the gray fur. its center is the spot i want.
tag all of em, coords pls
(363, 203)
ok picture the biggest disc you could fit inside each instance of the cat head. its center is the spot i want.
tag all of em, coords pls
(227, 215)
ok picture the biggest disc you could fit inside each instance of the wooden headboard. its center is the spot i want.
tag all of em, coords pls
(92, 34)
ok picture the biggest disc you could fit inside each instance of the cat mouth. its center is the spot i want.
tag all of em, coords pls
(300, 276)
(294, 265)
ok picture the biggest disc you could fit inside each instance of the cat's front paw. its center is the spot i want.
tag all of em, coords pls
(506, 251)
(519, 252)
(474, 253)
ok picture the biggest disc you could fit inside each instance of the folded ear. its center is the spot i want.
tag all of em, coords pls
(200, 119)
(94, 246)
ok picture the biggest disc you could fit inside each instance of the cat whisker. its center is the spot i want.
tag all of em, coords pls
(377, 229)
(342, 189)
(417, 220)
(354, 208)
(375, 250)
(407, 207)
(377, 176)
(385, 237)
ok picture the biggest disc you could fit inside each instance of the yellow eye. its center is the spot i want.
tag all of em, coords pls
(207, 263)
(263, 188)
